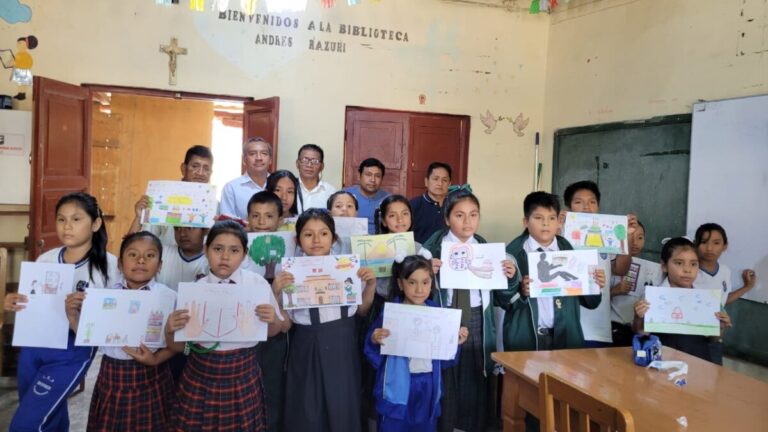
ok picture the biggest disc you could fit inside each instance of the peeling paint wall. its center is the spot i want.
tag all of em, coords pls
(464, 59)
(615, 60)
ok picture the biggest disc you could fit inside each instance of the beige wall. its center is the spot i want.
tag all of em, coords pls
(464, 59)
(617, 60)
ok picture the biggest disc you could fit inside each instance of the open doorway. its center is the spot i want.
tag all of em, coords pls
(137, 138)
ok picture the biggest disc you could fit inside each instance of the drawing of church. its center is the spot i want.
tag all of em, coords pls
(319, 290)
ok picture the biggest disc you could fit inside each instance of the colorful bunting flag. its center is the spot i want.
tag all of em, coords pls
(219, 5)
(328, 3)
(163, 2)
(197, 5)
(353, 2)
(534, 7)
(248, 6)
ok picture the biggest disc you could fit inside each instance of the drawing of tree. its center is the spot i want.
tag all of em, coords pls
(290, 290)
(267, 251)
(393, 241)
(365, 243)
(621, 233)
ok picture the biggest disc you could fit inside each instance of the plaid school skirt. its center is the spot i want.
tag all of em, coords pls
(130, 396)
(221, 391)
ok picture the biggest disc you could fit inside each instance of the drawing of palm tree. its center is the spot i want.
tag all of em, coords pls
(365, 243)
(393, 241)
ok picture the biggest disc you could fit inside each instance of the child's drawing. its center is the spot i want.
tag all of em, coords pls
(222, 313)
(176, 203)
(562, 273)
(115, 317)
(43, 322)
(349, 226)
(378, 252)
(329, 280)
(642, 273)
(266, 250)
(421, 332)
(475, 266)
(682, 311)
(606, 233)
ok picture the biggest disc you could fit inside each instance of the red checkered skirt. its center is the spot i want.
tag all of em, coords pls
(130, 396)
(221, 391)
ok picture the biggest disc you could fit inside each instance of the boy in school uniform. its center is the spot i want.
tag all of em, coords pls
(543, 323)
(584, 197)
(187, 261)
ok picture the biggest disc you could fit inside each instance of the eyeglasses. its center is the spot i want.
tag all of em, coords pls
(311, 162)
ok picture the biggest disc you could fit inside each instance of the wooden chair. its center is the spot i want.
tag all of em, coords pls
(576, 410)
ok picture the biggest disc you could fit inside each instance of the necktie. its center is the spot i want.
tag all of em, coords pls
(230, 281)
(314, 316)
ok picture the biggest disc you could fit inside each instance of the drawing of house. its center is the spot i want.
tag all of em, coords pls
(320, 290)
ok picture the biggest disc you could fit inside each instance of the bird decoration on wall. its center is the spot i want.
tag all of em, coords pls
(490, 122)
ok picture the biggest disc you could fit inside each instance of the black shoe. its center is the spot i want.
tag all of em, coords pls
(20, 96)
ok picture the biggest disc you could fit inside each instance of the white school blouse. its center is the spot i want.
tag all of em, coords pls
(596, 323)
(117, 352)
(178, 268)
(719, 280)
(82, 278)
(251, 280)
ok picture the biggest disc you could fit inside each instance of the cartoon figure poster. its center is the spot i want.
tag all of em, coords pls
(606, 233)
(472, 266)
(43, 322)
(563, 273)
(329, 280)
(222, 312)
(421, 332)
(682, 311)
(176, 203)
(122, 317)
(266, 250)
(378, 252)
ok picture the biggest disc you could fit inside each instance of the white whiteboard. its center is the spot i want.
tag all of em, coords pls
(729, 182)
(16, 131)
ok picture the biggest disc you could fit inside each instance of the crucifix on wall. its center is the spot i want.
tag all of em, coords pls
(172, 50)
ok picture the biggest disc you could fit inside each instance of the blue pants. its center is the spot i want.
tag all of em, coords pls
(393, 425)
(46, 377)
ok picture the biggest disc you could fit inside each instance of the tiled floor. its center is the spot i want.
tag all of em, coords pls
(78, 405)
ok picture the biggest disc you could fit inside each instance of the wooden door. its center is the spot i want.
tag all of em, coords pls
(436, 138)
(380, 135)
(261, 119)
(61, 156)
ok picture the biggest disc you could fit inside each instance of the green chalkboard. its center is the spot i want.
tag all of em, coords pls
(640, 166)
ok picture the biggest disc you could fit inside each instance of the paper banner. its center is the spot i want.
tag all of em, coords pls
(329, 280)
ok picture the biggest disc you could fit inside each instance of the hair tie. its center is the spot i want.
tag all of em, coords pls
(425, 253)
(667, 239)
(465, 186)
(223, 217)
(400, 256)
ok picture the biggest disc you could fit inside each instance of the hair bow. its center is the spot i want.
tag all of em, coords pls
(400, 256)
(667, 239)
(465, 186)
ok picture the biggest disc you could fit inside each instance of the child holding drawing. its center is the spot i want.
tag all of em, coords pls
(323, 376)
(467, 391)
(221, 385)
(680, 263)
(80, 228)
(416, 405)
(134, 389)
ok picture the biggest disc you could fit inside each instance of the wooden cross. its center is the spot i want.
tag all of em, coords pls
(172, 50)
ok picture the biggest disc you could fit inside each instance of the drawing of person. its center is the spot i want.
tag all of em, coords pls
(22, 65)
(545, 269)
(35, 286)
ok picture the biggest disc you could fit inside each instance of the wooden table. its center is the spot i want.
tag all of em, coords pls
(715, 398)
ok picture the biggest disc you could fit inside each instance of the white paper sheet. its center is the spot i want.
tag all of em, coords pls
(562, 273)
(606, 233)
(682, 311)
(177, 203)
(349, 226)
(473, 266)
(642, 273)
(222, 312)
(43, 322)
(329, 280)
(121, 317)
(421, 331)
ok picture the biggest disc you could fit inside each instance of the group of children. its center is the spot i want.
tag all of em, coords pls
(321, 369)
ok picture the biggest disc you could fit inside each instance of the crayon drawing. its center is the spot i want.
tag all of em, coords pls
(222, 313)
(562, 273)
(43, 322)
(266, 250)
(682, 311)
(642, 273)
(473, 266)
(176, 203)
(421, 332)
(349, 226)
(606, 233)
(322, 281)
(378, 252)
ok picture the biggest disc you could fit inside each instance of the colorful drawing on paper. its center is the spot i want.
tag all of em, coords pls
(223, 313)
(642, 273)
(121, 317)
(378, 252)
(606, 233)
(266, 250)
(289, 224)
(176, 203)
(475, 266)
(322, 281)
(421, 332)
(43, 322)
(562, 273)
(682, 311)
